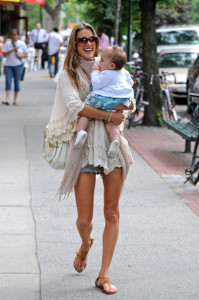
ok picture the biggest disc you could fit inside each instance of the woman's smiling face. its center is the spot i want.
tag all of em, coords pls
(86, 50)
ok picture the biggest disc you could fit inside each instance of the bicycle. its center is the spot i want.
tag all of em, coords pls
(168, 103)
(193, 172)
(138, 76)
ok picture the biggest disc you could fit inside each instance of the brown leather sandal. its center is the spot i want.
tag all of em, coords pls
(82, 256)
(107, 281)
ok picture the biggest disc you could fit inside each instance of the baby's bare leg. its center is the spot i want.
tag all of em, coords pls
(114, 135)
(82, 124)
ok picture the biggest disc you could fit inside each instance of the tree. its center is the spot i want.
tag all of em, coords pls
(117, 20)
(53, 9)
(150, 63)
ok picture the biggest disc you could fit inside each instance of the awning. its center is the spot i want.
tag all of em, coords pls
(10, 1)
(41, 2)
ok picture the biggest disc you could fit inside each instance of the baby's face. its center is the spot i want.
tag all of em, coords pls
(105, 62)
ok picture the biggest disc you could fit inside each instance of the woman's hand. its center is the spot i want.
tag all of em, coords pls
(117, 117)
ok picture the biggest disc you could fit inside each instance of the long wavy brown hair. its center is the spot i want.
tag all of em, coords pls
(72, 60)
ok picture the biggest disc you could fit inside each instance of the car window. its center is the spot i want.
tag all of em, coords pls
(177, 60)
(177, 37)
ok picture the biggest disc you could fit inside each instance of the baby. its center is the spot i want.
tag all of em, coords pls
(112, 86)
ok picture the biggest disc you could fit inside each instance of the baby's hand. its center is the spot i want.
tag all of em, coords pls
(95, 68)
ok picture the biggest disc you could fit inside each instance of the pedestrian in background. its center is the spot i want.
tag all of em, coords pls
(2, 43)
(39, 37)
(103, 38)
(14, 51)
(55, 41)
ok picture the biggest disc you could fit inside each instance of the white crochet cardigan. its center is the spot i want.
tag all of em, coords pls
(62, 127)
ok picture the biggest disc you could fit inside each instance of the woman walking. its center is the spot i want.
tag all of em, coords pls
(14, 51)
(83, 164)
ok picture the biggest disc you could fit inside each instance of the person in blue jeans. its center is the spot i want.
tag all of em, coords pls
(55, 41)
(15, 51)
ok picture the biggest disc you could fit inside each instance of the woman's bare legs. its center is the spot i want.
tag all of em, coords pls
(112, 191)
(84, 193)
(15, 97)
(8, 96)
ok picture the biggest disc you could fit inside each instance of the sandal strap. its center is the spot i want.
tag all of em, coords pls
(84, 253)
(105, 280)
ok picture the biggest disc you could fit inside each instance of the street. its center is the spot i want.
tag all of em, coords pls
(156, 257)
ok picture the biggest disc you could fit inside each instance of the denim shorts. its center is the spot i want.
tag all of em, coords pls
(13, 72)
(92, 169)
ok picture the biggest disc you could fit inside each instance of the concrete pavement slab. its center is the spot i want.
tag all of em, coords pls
(19, 286)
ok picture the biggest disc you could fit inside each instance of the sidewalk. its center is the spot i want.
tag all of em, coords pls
(163, 150)
(157, 255)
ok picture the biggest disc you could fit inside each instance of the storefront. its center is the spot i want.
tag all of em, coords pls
(9, 16)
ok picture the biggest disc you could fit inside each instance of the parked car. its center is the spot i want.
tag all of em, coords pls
(177, 61)
(178, 36)
(193, 81)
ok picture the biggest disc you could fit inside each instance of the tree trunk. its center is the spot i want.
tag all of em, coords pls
(153, 112)
(117, 19)
(54, 12)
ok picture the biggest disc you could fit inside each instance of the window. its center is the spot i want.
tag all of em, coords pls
(177, 60)
(177, 37)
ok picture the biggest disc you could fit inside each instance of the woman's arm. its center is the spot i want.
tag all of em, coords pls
(94, 113)
(123, 107)
(10, 51)
(21, 55)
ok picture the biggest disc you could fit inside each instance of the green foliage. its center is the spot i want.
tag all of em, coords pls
(33, 14)
(100, 14)
(74, 12)
(194, 11)
(160, 118)
(173, 12)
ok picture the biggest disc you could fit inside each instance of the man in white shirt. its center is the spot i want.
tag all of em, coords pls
(55, 40)
(38, 39)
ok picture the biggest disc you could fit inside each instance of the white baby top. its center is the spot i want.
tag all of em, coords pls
(112, 83)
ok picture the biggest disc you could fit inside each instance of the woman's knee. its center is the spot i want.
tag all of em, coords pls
(111, 215)
(84, 223)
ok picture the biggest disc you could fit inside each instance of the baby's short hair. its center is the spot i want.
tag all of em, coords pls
(117, 55)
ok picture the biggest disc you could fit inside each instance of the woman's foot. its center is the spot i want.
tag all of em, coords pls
(80, 261)
(106, 285)
(5, 102)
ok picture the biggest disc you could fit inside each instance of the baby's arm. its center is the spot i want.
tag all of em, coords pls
(100, 79)
(128, 78)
